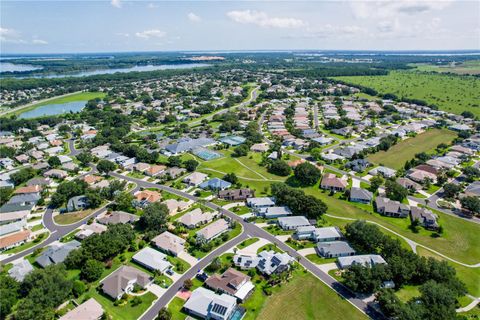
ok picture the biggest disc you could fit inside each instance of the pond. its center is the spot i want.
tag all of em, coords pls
(53, 109)
(11, 67)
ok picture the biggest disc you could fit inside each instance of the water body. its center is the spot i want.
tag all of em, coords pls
(11, 67)
(53, 109)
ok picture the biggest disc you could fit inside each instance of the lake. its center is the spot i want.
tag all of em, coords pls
(53, 109)
(10, 67)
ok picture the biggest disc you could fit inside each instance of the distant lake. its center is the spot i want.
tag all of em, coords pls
(10, 67)
(117, 70)
(53, 109)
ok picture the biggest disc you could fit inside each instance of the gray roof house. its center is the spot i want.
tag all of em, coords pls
(117, 217)
(77, 203)
(318, 234)
(170, 243)
(292, 223)
(274, 212)
(20, 269)
(122, 281)
(360, 195)
(214, 229)
(263, 202)
(367, 260)
(206, 304)
(384, 171)
(391, 208)
(334, 249)
(215, 184)
(89, 310)
(56, 253)
(426, 217)
(25, 199)
(473, 189)
(270, 262)
(245, 262)
(152, 259)
(185, 145)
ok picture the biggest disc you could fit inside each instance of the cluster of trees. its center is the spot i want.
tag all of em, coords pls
(387, 142)
(230, 121)
(307, 174)
(23, 175)
(298, 201)
(176, 161)
(154, 220)
(14, 124)
(252, 133)
(338, 124)
(279, 167)
(404, 268)
(395, 191)
(98, 249)
(140, 153)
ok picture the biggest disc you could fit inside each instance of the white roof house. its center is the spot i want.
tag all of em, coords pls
(20, 269)
(196, 217)
(207, 304)
(260, 202)
(152, 259)
(291, 223)
(367, 260)
(274, 212)
(214, 229)
(195, 178)
(89, 310)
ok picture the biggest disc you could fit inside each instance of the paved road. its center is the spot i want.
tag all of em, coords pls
(249, 230)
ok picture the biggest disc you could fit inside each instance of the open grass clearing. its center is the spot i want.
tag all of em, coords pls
(405, 150)
(406, 293)
(450, 93)
(247, 242)
(72, 217)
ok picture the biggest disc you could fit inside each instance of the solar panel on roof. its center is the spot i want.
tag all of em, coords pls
(219, 309)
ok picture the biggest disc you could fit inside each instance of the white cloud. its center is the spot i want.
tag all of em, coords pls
(261, 19)
(392, 8)
(10, 35)
(116, 3)
(152, 5)
(154, 33)
(193, 17)
(329, 31)
(123, 34)
(39, 41)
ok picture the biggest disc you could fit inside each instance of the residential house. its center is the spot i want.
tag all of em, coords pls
(56, 173)
(56, 253)
(360, 195)
(425, 217)
(154, 170)
(215, 184)
(473, 189)
(409, 184)
(152, 260)
(77, 203)
(169, 243)
(333, 183)
(318, 234)
(214, 230)
(271, 262)
(292, 223)
(122, 281)
(20, 269)
(391, 208)
(257, 203)
(274, 212)
(421, 176)
(14, 239)
(88, 230)
(232, 282)
(36, 189)
(195, 218)
(145, 197)
(195, 178)
(334, 249)
(384, 171)
(367, 260)
(206, 304)
(260, 147)
(117, 217)
(245, 262)
(89, 310)
(174, 206)
(358, 165)
(236, 194)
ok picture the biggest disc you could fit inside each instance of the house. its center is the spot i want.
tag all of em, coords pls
(384, 171)
(122, 281)
(318, 234)
(152, 260)
(173, 172)
(274, 212)
(214, 229)
(185, 145)
(56, 173)
(90, 229)
(56, 253)
(29, 189)
(334, 249)
(260, 147)
(117, 217)
(39, 182)
(20, 269)
(292, 223)
(174, 206)
(154, 170)
(91, 179)
(25, 199)
(473, 189)
(195, 218)
(367, 260)
(271, 262)
(257, 203)
(358, 165)
(409, 184)
(215, 184)
(236, 194)
(14, 239)
(89, 310)
(141, 167)
(195, 178)
(232, 282)
(206, 304)
(421, 176)
(169, 243)
(77, 203)
(360, 195)
(145, 197)
(245, 262)
(425, 217)
(391, 208)
(333, 183)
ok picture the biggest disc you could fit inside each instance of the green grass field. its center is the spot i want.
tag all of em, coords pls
(308, 298)
(405, 150)
(467, 67)
(450, 93)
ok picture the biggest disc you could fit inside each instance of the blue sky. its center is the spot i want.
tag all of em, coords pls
(117, 25)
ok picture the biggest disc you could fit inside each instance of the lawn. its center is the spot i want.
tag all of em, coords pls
(308, 298)
(467, 67)
(247, 242)
(405, 150)
(458, 240)
(269, 247)
(127, 311)
(406, 293)
(179, 265)
(175, 306)
(319, 260)
(72, 217)
(450, 93)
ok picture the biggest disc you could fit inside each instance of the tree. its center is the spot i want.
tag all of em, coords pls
(78, 288)
(22, 175)
(8, 294)
(451, 190)
(164, 314)
(240, 151)
(215, 265)
(154, 218)
(280, 168)
(471, 173)
(92, 270)
(188, 284)
(231, 177)
(389, 303)
(307, 174)
(439, 300)
(123, 202)
(395, 191)
(174, 161)
(85, 158)
(298, 201)
(471, 203)
(94, 199)
(5, 194)
(375, 183)
(191, 165)
(54, 162)
(105, 166)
